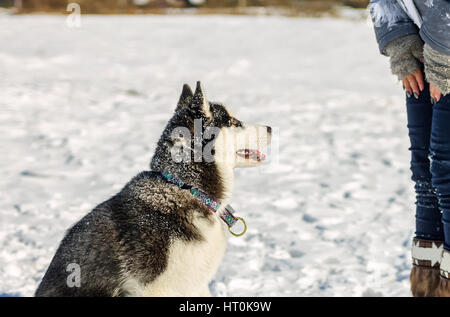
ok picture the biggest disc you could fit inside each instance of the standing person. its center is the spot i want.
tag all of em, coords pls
(415, 34)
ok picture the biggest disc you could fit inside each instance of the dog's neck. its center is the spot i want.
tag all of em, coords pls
(216, 181)
(226, 175)
(221, 208)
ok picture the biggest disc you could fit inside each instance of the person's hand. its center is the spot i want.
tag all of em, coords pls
(435, 93)
(405, 55)
(437, 72)
(414, 84)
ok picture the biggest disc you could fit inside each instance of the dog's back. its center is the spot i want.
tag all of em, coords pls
(91, 246)
(126, 238)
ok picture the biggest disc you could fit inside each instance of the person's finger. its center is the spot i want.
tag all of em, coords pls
(414, 86)
(419, 79)
(435, 93)
(438, 95)
(407, 87)
(432, 93)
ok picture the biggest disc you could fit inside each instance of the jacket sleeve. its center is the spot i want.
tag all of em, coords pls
(390, 22)
(435, 29)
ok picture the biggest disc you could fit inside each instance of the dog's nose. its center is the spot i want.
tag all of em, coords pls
(269, 130)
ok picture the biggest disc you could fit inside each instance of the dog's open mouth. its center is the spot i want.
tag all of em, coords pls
(250, 154)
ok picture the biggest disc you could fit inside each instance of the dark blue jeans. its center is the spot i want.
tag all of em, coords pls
(429, 133)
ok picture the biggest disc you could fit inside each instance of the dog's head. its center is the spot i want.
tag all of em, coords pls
(204, 137)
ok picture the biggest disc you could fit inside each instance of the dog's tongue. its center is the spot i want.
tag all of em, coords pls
(251, 154)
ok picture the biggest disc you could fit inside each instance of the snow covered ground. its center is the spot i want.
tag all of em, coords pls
(82, 108)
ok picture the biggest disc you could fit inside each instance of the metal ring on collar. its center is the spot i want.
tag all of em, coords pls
(243, 231)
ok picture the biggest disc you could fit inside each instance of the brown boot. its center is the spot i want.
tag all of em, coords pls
(424, 281)
(426, 256)
(444, 284)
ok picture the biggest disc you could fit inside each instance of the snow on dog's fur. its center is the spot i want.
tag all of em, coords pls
(154, 238)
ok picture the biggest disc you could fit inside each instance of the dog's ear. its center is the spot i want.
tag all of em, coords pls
(199, 100)
(185, 98)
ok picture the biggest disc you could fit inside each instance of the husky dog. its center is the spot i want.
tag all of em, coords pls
(155, 237)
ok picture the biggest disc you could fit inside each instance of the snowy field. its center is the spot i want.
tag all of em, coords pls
(81, 111)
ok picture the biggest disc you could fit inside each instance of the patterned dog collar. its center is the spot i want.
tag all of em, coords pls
(213, 205)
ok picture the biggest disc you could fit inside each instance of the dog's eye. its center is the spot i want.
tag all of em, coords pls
(236, 123)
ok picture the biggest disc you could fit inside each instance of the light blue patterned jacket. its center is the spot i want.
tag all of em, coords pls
(396, 18)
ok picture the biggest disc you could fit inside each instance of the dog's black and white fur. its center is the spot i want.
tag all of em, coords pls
(154, 238)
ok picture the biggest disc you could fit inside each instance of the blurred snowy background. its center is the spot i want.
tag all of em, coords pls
(82, 108)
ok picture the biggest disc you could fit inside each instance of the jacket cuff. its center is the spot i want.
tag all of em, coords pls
(398, 31)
